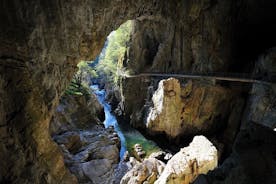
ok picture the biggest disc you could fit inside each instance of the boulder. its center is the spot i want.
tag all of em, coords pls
(71, 141)
(146, 172)
(183, 168)
(190, 109)
(138, 152)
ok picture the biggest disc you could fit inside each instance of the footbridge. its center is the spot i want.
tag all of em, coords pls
(246, 78)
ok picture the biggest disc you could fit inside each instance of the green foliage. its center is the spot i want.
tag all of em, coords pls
(80, 82)
(109, 64)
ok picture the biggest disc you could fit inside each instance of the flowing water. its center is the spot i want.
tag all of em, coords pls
(129, 136)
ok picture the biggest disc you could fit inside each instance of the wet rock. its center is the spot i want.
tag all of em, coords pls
(146, 172)
(198, 158)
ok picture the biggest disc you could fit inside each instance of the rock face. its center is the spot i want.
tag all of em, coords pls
(40, 46)
(90, 151)
(198, 158)
(41, 43)
(76, 112)
(253, 157)
(190, 109)
(165, 115)
(91, 155)
(138, 152)
(146, 172)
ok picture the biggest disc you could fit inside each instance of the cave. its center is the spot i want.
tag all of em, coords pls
(42, 42)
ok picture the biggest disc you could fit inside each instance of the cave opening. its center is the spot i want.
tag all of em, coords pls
(91, 106)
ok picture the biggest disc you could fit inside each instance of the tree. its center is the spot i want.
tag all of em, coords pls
(117, 44)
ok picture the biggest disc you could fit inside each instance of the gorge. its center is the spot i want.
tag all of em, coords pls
(41, 43)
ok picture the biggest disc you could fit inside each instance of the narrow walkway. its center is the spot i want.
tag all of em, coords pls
(191, 76)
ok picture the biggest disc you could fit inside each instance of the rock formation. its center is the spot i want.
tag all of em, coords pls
(198, 158)
(76, 112)
(90, 151)
(42, 41)
(193, 108)
(253, 157)
(146, 172)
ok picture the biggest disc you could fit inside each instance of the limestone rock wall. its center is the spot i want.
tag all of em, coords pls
(42, 41)
(40, 44)
(76, 112)
(196, 38)
(190, 109)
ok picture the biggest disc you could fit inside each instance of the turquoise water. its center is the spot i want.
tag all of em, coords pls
(110, 119)
(129, 136)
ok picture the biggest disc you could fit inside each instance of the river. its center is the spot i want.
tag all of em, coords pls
(128, 136)
(110, 119)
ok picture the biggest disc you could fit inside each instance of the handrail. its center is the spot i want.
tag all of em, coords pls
(224, 77)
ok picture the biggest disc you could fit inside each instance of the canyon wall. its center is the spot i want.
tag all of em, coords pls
(42, 41)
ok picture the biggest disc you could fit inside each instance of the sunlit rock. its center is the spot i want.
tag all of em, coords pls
(146, 172)
(183, 168)
(165, 113)
(192, 108)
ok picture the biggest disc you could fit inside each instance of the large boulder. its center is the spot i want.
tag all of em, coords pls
(183, 168)
(194, 108)
(146, 172)
(166, 112)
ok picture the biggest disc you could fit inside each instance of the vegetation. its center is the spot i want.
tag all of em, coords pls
(110, 63)
(80, 82)
(106, 66)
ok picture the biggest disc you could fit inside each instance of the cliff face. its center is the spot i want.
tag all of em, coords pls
(195, 37)
(192, 109)
(40, 45)
(42, 41)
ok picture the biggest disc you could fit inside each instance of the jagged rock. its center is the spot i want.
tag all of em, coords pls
(97, 170)
(198, 158)
(41, 43)
(96, 146)
(253, 153)
(138, 152)
(71, 141)
(76, 112)
(190, 109)
(133, 161)
(165, 114)
(162, 156)
(146, 172)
